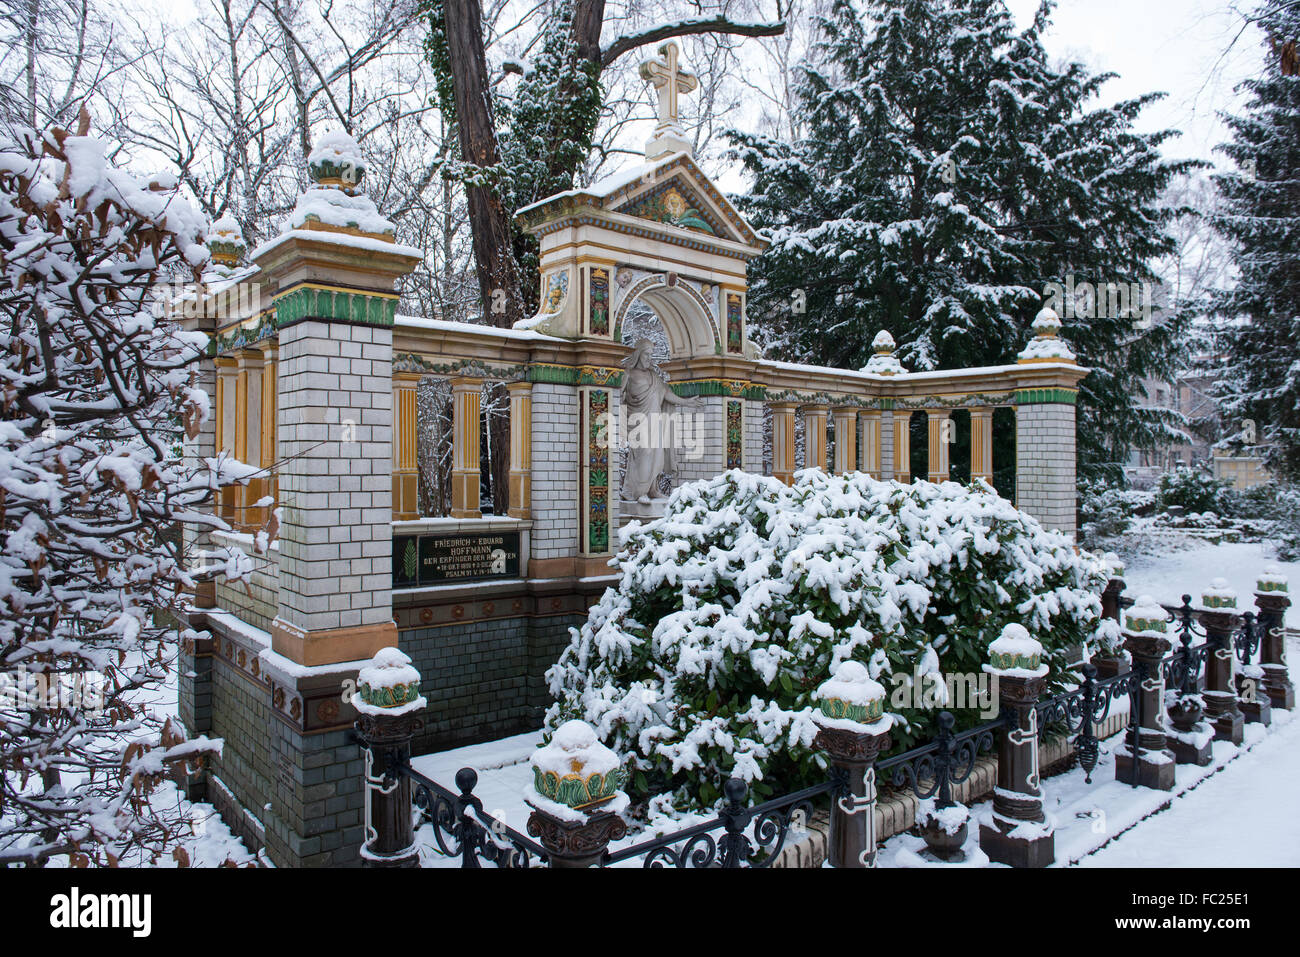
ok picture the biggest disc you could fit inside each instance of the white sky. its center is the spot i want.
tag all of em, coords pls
(1194, 50)
(1182, 47)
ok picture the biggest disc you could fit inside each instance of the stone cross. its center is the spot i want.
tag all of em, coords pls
(669, 80)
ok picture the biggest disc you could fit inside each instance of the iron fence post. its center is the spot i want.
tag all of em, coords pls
(853, 806)
(1220, 696)
(1008, 834)
(1272, 607)
(1146, 760)
(389, 830)
(1254, 704)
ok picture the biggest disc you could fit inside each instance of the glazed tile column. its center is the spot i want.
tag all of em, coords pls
(871, 442)
(981, 445)
(466, 396)
(521, 449)
(783, 441)
(1144, 638)
(1218, 616)
(814, 437)
(406, 480)
(252, 365)
(846, 440)
(227, 416)
(1017, 831)
(1272, 601)
(852, 730)
(937, 422)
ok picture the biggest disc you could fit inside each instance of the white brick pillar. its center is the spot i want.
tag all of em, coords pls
(902, 446)
(334, 314)
(1046, 457)
(887, 443)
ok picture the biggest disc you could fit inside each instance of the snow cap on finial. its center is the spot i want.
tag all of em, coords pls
(884, 361)
(226, 242)
(336, 161)
(1047, 345)
(335, 202)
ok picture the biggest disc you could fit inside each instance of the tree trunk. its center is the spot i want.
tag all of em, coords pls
(494, 261)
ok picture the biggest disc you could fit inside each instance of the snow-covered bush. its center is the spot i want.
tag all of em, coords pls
(1194, 490)
(92, 494)
(1106, 511)
(747, 594)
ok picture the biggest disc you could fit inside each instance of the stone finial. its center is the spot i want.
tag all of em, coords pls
(1016, 652)
(851, 695)
(336, 202)
(1047, 345)
(884, 361)
(336, 161)
(389, 685)
(1146, 617)
(1271, 582)
(575, 770)
(1113, 564)
(226, 243)
(1219, 596)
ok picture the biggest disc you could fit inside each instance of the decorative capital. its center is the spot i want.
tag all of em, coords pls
(851, 695)
(576, 840)
(1219, 596)
(575, 770)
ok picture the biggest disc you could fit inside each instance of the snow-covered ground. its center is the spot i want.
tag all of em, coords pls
(1170, 565)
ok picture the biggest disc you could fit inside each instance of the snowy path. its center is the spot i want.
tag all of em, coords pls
(1167, 569)
(1236, 818)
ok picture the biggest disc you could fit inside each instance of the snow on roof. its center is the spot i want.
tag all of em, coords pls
(445, 325)
(339, 239)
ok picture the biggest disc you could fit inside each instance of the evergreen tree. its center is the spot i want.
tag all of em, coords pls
(949, 174)
(1261, 218)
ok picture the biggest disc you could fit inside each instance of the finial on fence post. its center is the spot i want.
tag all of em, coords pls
(852, 729)
(1017, 831)
(575, 797)
(388, 703)
(1147, 762)
(1218, 616)
(1272, 601)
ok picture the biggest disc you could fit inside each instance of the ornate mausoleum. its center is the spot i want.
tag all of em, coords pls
(314, 380)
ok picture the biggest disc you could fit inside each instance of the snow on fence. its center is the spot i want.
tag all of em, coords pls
(1179, 698)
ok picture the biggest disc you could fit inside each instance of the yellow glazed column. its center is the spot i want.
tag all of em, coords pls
(406, 503)
(846, 440)
(521, 449)
(902, 446)
(814, 436)
(466, 393)
(981, 445)
(940, 430)
(270, 410)
(252, 365)
(871, 442)
(783, 441)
